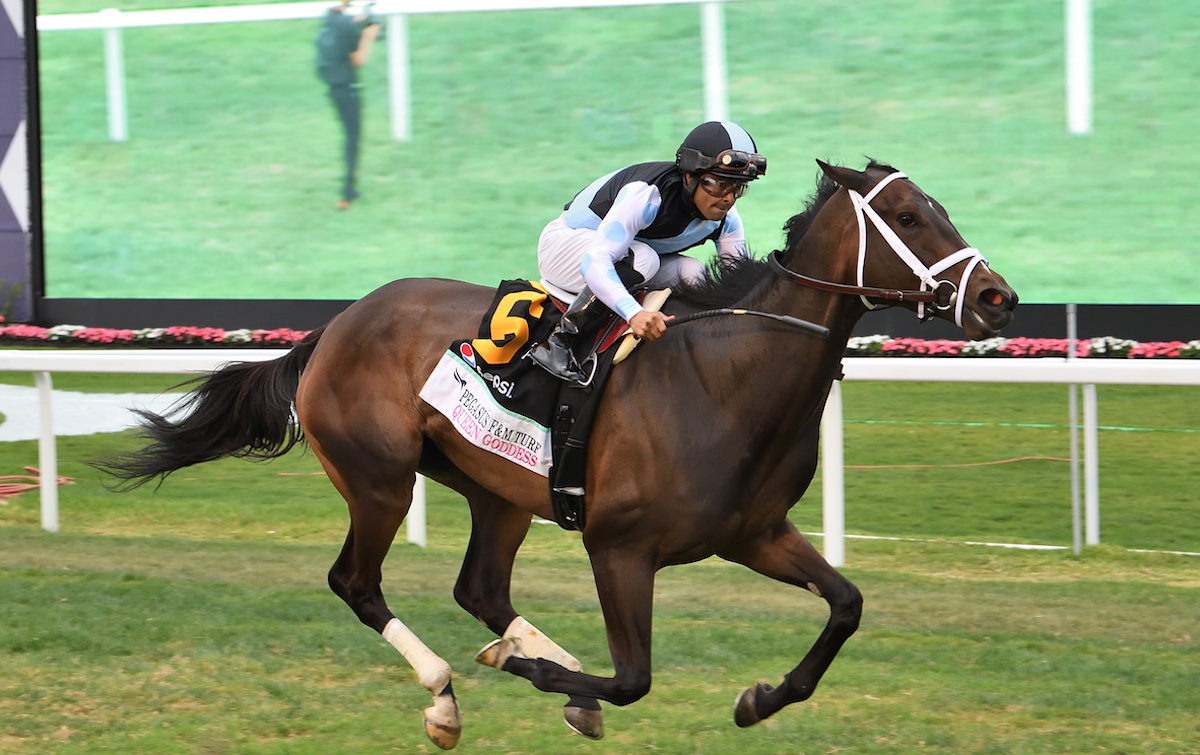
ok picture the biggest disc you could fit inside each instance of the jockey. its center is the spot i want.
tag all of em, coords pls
(627, 229)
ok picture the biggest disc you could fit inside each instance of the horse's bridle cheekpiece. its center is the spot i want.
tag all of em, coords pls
(932, 287)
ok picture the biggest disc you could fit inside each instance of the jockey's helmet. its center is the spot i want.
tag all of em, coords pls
(722, 148)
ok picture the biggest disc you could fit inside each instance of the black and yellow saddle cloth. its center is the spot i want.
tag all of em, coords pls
(504, 403)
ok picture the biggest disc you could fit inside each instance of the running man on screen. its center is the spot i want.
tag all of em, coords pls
(343, 45)
(630, 227)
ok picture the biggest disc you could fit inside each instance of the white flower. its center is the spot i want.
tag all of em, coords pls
(243, 335)
(1110, 345)
(985, 346)
(60, 332)
(864, 343)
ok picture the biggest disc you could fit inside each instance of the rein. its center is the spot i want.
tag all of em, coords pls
(931, 286)
(795, 322)
(890, 294)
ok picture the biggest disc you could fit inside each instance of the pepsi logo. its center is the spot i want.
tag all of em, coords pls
(468, 354)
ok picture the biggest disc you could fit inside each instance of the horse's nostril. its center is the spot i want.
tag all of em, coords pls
(995, 297)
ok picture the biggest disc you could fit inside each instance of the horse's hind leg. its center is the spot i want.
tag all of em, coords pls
(782, 553)
(377, 507)
(484, 589)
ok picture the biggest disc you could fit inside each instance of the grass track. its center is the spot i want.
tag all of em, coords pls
(196, 619)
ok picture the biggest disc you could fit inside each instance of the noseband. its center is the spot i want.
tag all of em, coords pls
(940, 294)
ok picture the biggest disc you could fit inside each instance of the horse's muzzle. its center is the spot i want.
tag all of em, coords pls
(992, 310)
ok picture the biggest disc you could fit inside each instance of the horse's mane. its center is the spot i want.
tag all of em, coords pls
(727, 283)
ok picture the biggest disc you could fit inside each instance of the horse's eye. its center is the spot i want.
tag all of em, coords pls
(907, 219)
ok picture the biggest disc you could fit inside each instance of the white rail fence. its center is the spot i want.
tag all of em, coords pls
(1085, 372)
(395, 13)
(163, 361)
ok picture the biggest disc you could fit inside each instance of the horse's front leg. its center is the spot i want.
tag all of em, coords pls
(784, 554)
(484, 589)
(625, 584)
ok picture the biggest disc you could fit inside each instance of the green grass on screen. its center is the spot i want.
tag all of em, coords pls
(225, 187)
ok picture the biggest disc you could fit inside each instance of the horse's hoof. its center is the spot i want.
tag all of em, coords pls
(445, 737)
(443, 721)
(586, 723)
(745, 713)
(496, 652)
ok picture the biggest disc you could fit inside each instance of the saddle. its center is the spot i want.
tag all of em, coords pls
(576, 410)
(505, 403)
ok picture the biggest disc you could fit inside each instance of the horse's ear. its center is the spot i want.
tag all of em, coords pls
(848, 177)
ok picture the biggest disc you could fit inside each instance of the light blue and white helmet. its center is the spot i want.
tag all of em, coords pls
(722, 148)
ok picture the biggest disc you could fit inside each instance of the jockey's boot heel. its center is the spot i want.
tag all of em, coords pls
(556, 354)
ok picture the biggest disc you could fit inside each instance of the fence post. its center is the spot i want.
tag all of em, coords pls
(399, 87)
(1079, 65)
(1073, 427)
(47, 452)
(1073, 422)
(1091, 468)
(716, 90)
(833, 489)
(114, 69)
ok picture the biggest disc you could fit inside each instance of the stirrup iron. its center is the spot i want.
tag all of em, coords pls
(556, 355)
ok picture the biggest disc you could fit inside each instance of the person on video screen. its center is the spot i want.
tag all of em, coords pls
(343, 44)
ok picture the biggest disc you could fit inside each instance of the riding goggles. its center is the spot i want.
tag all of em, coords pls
(722, 187)
(749, 165)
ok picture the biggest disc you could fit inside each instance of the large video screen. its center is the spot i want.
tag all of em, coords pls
(225, 181)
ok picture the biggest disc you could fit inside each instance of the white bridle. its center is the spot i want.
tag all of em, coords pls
(927, 275)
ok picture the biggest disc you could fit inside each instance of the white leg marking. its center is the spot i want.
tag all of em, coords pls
(432, 671)
(537, 645)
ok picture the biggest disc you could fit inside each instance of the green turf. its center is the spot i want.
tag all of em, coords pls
(195, 618)
(232, 162)
(89, 382)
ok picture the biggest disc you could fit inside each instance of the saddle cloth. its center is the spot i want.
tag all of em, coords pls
(497, 399)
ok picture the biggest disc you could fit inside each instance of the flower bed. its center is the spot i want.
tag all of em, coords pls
(1107, 347)
(78, 335)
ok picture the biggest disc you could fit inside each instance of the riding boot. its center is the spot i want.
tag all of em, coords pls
(555, 355)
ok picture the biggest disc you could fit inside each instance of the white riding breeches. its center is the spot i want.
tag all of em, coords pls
(561, 250)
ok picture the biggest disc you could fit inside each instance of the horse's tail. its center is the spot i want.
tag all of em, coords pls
(243, 409)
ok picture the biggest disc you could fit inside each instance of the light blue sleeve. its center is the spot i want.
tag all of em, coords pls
(635, 208)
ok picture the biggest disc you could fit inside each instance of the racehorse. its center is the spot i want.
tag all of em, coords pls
(703, 441)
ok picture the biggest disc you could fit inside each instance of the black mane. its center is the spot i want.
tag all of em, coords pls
(724, 285)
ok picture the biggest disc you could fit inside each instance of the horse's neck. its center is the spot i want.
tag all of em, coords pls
(783, 375)
(813, 257)
(791, 368)
(782, 370)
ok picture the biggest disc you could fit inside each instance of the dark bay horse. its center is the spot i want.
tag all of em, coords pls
(704, 441)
